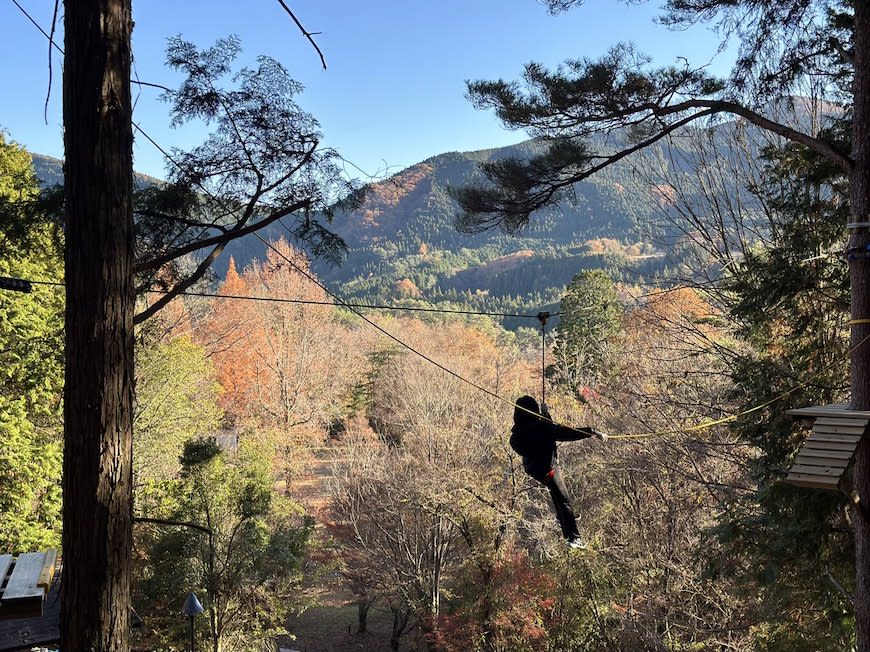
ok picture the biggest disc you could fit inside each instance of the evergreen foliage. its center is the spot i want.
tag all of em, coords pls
(262, 162)
(243, 568)
(31, 350)
(786, 289)
(790, 300)
(590, 321)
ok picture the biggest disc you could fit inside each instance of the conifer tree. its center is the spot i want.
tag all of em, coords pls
(278, 169)
(589, 319)
(31, 358)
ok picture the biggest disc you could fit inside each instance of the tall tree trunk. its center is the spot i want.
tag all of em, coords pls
(98, 395)
(400, 621)
(363, 604)
(860, 287)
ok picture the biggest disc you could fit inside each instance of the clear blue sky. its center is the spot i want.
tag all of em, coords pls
(393, 93)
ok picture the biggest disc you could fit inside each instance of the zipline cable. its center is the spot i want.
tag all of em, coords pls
(542, 316)
(201, 185)
(381, 329)
(338, 301)
(368, 306)
(329, 292)
(715, 422)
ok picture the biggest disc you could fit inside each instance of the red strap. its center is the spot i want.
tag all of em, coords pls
(550, 474)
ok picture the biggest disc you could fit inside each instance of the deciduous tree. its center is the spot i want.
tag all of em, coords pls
(262, 163)
(176, 401)
(424, 498)
(302, 365)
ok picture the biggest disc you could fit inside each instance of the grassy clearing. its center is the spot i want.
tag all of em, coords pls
(332, 628)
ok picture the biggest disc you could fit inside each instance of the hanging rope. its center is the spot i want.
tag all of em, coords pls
(543, 317)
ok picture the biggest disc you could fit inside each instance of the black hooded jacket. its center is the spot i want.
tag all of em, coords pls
(534, 438)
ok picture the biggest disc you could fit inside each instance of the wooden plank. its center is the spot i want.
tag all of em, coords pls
(818, 470)
(23, 608)
(827, 411)
(842, 429)
(836, 443)
(47, 573)
(841, 420)
(821, 436)
(19, 632)
(808, 460)
(25, 577)
(825, 480)
(835, 457)
(5, 563)
(846, 447)
(825, 452)
(813, 482)
(816, 410)
(822, 424)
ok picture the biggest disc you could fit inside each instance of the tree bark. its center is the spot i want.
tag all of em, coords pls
(362, 615)
(400, 621)
(859, 266)
(98, 394)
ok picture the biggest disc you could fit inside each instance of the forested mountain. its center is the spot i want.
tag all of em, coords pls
(49, 172)
(403, 241)
(403, 245)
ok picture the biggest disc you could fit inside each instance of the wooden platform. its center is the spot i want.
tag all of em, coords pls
(828, 451)
(24, 582)
(17, 634)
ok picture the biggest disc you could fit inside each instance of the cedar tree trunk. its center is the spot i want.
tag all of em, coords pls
(98, 394)
(858, 273)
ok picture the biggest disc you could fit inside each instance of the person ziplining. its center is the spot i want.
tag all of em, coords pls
(533, 438)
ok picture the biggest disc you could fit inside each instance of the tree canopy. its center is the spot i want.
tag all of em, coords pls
(590, 114)
(622, 93)
(262, 162)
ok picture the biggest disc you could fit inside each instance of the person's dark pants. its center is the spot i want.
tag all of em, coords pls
(562, 503)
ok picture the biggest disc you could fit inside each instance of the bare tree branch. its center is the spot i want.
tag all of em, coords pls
(163, 521)
(306, 33)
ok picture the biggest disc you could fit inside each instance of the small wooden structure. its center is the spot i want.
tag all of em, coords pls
(826, 454)
(24, 582)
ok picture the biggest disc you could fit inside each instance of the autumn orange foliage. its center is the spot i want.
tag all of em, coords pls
(275, 359)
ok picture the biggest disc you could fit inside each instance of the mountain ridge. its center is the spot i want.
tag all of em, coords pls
(403, 246)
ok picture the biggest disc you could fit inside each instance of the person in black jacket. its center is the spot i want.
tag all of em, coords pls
(534, 437)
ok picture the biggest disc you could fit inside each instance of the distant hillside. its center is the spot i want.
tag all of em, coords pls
(403, 246)
(49, 172)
